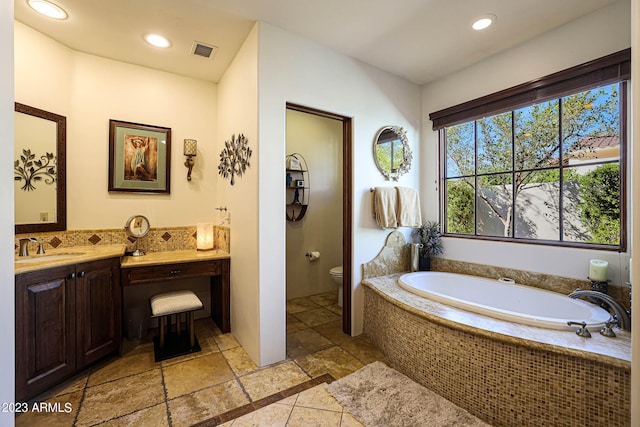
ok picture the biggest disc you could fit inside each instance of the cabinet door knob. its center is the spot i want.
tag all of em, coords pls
(176, 271)
(81, 274)
(71, 276)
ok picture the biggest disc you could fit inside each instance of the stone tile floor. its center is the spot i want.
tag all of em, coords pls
(133, 390)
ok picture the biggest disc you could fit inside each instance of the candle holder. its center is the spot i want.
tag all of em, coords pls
(600, 286)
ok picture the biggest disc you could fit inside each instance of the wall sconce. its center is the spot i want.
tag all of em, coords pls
(204, 237)
(190, 150)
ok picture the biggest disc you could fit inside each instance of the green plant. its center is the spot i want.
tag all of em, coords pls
(600, 203)
(429, 235)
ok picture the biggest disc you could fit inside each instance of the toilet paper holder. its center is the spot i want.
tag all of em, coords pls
(312, 256)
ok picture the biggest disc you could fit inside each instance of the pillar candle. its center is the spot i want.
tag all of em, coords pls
(598, 270)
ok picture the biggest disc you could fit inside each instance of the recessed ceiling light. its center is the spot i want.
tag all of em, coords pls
(48, 9)
(484, 21)
(157, 40)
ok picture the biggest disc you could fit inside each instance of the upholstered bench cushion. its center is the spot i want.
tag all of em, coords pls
(174, 302)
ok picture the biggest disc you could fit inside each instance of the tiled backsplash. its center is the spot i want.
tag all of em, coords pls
(158, 239)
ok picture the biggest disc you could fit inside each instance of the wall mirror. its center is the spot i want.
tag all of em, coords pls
(391, 152)
(39, 170)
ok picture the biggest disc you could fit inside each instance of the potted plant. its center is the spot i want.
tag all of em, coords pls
(430, 237)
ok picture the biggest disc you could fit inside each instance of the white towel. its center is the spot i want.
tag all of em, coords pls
(384, 207)
(408, 208)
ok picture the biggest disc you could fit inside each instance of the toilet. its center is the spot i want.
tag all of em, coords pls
(336, 275)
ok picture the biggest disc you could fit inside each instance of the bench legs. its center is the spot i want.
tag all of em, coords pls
(169, 344)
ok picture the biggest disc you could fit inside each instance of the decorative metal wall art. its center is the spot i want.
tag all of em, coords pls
(33, 171)
(234, 158)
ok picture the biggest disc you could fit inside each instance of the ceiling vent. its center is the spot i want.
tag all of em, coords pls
(203, 50)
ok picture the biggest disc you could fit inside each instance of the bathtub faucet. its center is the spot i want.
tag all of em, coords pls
(623, 318)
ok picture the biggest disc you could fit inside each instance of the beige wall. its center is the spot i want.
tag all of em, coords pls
(237, 113)
(319, 141)
(293, 69)
(91, 90)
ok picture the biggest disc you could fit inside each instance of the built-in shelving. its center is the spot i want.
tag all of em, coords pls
(297, 187)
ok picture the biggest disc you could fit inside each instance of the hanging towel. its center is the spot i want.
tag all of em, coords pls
(384, 207)
(408, 207)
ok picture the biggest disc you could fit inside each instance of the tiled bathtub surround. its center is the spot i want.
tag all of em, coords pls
(505, 373)
(503, 381)
(158, 239)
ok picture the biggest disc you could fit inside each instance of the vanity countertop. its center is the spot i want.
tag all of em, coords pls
(66, 256)
(79, 254)
(172, 257)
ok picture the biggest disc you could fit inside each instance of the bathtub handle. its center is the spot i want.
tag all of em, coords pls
(607, 331)
(582, 330)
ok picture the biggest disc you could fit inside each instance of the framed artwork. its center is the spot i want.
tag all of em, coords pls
(139, 157)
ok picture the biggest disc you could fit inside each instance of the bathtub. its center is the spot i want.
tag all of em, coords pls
(506, 301)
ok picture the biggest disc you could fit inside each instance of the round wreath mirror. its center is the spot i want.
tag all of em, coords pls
(137, 227)
(391, 152)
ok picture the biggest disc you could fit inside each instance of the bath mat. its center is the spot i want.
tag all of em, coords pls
(380, 396)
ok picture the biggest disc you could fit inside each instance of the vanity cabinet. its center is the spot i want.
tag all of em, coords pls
(66, 318)
(98, 310)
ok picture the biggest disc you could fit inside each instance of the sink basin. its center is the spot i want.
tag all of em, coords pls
(47, 257)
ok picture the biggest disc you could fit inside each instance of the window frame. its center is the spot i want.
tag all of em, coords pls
(611, 69)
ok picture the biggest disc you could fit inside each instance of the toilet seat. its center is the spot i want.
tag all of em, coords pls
(336, 271)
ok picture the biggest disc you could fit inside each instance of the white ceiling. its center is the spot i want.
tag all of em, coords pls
(420, 40)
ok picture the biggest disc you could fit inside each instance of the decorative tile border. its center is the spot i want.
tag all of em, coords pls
(158, 240)
(258, 404)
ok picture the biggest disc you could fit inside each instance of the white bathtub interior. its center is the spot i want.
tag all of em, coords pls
(506, 301)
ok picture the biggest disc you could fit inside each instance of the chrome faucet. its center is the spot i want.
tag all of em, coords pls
(24, 246)
(622, 317)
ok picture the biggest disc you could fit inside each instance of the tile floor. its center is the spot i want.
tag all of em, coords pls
(134, 390)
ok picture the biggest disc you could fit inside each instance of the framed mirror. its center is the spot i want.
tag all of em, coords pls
(39, 170)
(391, 152)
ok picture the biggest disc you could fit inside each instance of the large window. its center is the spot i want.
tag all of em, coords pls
(550, 170)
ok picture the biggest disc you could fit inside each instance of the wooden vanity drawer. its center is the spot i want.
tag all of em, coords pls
(139, 275)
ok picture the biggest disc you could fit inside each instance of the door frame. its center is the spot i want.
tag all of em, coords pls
(347, 205)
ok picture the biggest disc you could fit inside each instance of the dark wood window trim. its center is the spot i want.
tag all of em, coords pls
(612, 68)
(608, 69)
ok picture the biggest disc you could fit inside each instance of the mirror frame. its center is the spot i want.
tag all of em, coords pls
(128, 226)
(407, 155)
(61, 172)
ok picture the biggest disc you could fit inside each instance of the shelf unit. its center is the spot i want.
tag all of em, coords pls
(297, 187)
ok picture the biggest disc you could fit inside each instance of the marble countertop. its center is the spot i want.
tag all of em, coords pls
(172, 257)
(79, 254)
(66, 256)
(614, 351)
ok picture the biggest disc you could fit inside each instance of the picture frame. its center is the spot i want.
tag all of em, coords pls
(139, 158)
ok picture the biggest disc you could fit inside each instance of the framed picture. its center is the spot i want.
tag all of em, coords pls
(139, 157)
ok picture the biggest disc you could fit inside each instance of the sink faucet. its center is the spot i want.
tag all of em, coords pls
(623, 318)
(24, 246)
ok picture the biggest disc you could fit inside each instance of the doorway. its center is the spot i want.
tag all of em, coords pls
(345, 125)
